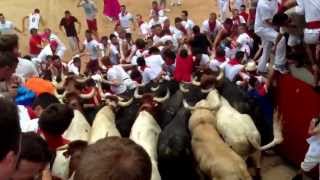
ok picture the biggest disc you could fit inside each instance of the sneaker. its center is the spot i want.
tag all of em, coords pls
(281, 68)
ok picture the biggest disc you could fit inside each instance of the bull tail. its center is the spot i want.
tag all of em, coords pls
(277, 132)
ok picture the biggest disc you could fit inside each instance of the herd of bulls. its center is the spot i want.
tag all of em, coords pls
(200, 130)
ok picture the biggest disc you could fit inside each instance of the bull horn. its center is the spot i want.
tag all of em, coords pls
(187, 106)
(161, 100)
(81, 80)
(195, 82)
(104, 81)
(153, 89)
(122, 103)
(183, 89)
(206, 91)
(59, 96)
(136, 94)
(277, 132)
(89, 95)
(220, 76)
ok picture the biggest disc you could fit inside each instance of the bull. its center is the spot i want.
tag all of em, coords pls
(174, 149)
(216, 159)
(145, 130)
(104, 122)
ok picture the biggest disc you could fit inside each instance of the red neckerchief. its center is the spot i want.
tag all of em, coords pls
(212, 26)
(123, 14)
(142, 68)
(221, 58)
(182, 29)
(53, 141)
(169, 61)
(236, 20)
(31, 113)
(233, 62)
(140, 23)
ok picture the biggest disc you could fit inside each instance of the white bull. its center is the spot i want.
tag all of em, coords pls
(216, 159)
(239, 131)
(145, 132)
(103, 125)
(79, 129)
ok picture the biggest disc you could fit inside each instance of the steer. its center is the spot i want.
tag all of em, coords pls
(145, 130)
(104, 122)
(170, 108)
(174, 149)
(216, 159)
(239, 131)
(79, 129)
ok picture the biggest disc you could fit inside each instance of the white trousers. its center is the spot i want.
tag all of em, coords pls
(268, 37)
(312, 36)
(73, 43)
(223, 9)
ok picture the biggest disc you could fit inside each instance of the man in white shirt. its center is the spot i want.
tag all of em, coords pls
(155, 61)
(143, 26)
(156, 19)
(94, 50)
(186, 22)
(244, 41)
(263, 27)
(90, 11)
(26, 69)
(117, 77)
(146, 72)
(223, 9)
(114, 50)
(211, 26)
(61, 48)
(74, 65)
(311, 11)
(34, 20)
(48, 50)
(7, 27)
(125, 19)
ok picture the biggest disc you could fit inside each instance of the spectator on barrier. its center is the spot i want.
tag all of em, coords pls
(312, 156)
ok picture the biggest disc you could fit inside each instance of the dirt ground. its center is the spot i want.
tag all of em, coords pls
(53, 10)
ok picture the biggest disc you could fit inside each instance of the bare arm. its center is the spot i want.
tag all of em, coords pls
(218, 39)
(79, 27)
(23, 23)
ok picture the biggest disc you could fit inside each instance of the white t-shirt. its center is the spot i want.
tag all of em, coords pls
(153, 22)
(206, 28)
(265, 10)
(117, 73)
(311, 9)
(73, 68)
(26, 69)
(214, 65)
(46, 51)
(160, 12)
(147, 75)
(205, 60)
(26, 124)
(245, 42)
(144, 29)
(93, 48)
(177, 34)
(155, 62)
(114, 54)
(34, 21)
(7, 27)
(90, 9)
(188, 25)
(125, 20)
(232, 70)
